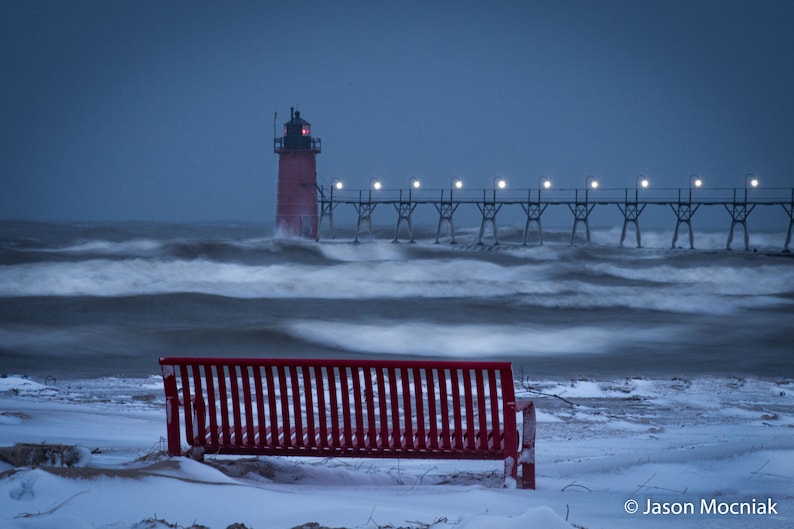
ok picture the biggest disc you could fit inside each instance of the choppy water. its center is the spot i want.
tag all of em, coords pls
(96, 300)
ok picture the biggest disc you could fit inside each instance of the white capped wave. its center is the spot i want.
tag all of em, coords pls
(377, 272)
(104, 247)
(460, 340)
(715, 278)
(581, 295)
(703, 239)
(153, 248)
(342, 251)
(100, 277)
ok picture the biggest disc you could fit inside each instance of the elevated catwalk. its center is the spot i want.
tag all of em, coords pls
(739, 203)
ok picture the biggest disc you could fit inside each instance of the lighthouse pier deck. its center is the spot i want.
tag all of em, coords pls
(303, 205)
(738, 203)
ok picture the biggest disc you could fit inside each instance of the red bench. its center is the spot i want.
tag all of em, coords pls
(349, 408)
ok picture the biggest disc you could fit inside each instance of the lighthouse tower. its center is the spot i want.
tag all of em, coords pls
(296, 203)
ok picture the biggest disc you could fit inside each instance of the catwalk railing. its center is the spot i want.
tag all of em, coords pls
(684, 202)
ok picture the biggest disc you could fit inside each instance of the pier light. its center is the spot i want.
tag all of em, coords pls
(749, 181)
(543, 183)
(589, 183)
(336, 183)
(695, 180)
(374, 184)
(413, 183)
(498, 183)
(455, 183)
(640, 181)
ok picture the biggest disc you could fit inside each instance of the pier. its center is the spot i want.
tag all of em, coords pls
(739, 203)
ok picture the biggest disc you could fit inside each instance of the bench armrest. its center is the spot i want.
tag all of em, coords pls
(522, 404)
(527, 454)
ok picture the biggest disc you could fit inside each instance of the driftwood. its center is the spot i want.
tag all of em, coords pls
(46, 455)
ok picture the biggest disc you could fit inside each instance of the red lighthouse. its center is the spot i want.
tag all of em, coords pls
(296, 203)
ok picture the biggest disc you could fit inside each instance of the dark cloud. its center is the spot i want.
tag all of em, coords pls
(164, 110)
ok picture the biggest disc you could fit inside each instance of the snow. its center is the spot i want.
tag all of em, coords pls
(608, 442)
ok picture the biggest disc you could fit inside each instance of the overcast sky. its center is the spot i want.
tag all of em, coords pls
(163, 110)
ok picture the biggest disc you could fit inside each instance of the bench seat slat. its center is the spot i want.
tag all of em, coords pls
(481, 407)
(494, 409)
(469, 398)
(347, 428)
(260, 403)
(369, 398)
(358, 405)
(209, 403)
(334, 403)
(456, 409)
(307, 393)
(234, 389)
(432, 413)
(383, 416)
(322, 415)
(394, 400)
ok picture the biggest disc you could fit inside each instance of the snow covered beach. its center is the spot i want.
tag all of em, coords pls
(674, 366)
(667, 441)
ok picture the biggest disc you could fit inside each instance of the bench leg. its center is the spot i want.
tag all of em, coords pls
(527, 457)
(172, 412)
(195, 453)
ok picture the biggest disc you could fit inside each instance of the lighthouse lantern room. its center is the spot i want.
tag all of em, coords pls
(296, 202)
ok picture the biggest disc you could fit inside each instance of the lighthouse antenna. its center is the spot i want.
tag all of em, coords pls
(275, 116)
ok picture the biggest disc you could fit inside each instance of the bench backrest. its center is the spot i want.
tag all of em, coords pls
(340, 406)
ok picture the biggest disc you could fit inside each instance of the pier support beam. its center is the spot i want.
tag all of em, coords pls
(631, 214)
(684, 212)
(404, 212)
(739, 213)
(445, 212)
(489, 211)
(790, 211)
(327, 212)
(533, 211)
(581, 213)
(364, 210)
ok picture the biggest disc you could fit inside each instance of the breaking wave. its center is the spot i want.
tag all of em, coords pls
(107, 295)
